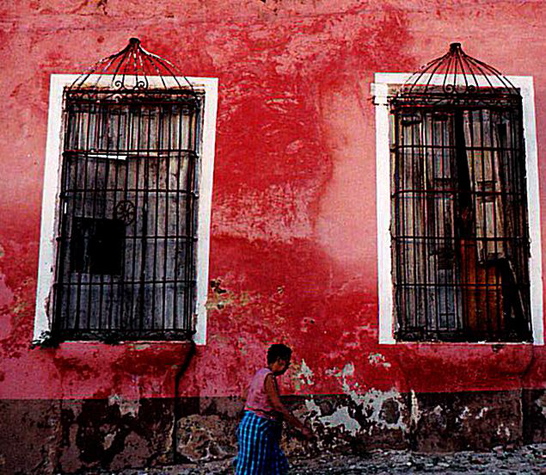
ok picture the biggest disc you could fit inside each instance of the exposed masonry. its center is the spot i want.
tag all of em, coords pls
(129, 407)
(112, 433)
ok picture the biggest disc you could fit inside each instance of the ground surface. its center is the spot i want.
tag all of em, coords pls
(525, 460)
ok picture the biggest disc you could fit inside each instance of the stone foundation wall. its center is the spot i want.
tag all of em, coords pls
(44, 436)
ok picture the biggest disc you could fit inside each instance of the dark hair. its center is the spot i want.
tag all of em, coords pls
(276, 351)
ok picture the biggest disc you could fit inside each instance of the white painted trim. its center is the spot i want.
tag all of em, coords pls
(525, 83)
(208, 141)
(383, 183)
(46, 267)
(380, 91)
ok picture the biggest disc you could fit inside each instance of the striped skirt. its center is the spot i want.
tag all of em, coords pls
(259, 449)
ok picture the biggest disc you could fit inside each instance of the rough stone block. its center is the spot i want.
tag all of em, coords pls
(477, 420)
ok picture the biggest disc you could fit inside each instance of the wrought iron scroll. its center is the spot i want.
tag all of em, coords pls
(131, 71)
(455, 77)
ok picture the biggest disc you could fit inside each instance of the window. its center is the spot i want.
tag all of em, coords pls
(127, 201)
(460, 253)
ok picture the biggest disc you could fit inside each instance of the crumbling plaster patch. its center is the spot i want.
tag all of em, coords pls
(303, 376)
(503, 431)
(541, 403)
(125, 406)
(465, 414)
(377, 359)
(340, 418)
(415, 414)
(109, 439)
(373, 404)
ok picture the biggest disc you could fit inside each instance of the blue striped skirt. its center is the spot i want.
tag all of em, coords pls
(259, 449)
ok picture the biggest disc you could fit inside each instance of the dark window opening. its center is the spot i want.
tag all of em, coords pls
(97, 245)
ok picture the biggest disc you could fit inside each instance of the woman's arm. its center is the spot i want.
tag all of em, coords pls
(273, 395)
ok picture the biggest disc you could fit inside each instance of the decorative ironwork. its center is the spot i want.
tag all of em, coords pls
(456, 76)
(126, 254)
(133, 69)
(460, 242)
(125, 211)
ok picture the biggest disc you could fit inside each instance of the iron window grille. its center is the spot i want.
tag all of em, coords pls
(459, 231)
(126, 238)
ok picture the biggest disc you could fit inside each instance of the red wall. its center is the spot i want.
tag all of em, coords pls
(293, 247)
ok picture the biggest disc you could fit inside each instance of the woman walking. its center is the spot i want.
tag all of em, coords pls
(259, 432)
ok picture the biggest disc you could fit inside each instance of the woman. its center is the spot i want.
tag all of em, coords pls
(259, 432)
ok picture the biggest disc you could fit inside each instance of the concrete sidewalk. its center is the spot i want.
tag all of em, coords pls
(530, 459)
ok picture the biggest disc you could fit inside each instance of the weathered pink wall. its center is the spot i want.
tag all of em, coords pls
(293, 250)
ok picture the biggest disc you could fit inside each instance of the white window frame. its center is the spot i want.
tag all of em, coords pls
(52, 182)
(385, 82)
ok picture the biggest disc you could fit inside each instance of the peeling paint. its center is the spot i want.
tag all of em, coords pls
(541, 403)
(339, 419)
(377, 359)
(503, 431)
(126, 407)
(342, 418)
(305, 374)
(108, 440)
(415, 414)
(348, 370)
(465, 414)
(374, 403)
(312, 407)
(221, 298)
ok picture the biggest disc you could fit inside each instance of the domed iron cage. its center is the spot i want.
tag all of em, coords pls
(126, 240)
(459, 231)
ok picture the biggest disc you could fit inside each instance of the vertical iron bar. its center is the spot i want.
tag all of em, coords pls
(160, 118)
(181, 157)
(191, 204)
(480, 200)
(166, 233)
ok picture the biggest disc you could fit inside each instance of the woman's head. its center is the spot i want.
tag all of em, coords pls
(278, 358)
